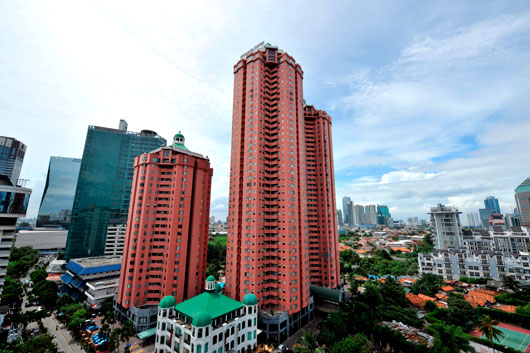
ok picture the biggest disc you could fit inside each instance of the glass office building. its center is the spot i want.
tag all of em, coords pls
(104, 185)
(12, 154)
(58, 197)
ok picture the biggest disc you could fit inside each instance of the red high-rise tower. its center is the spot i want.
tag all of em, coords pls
(324, 264)
(167, 229)
(271, 233)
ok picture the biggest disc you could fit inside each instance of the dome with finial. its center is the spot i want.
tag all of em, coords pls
(179, 140)
(210, 283)
(167, 302)
(202, 319)
(250, 299)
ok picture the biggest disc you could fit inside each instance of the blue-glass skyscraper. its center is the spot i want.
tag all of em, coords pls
(492, 203)
(104, 185)
(56, 205)
(383, 214)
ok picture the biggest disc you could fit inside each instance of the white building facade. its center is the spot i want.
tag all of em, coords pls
(207, 323)
(447, 231)
(453, 264)
(115, 239)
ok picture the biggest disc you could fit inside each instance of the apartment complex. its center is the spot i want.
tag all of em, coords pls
(281, 200)
(167, 231)
(447, 231)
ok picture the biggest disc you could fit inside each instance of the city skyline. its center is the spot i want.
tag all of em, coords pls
(419, 117)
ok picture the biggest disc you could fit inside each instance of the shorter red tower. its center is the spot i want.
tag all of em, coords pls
(167, 229)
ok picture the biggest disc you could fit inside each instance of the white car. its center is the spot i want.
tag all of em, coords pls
(282, 347)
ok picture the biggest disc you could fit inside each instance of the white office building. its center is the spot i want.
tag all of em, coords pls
(115, 239)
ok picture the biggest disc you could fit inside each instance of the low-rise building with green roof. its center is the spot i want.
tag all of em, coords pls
(207, 323)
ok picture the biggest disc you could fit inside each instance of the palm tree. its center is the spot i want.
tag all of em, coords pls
(449, 339)
(488, 327)
(511, 283)
(307, 344)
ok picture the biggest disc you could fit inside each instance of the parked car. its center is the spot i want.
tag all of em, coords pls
(282, 347)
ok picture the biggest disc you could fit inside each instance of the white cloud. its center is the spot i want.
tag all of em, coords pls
(453, 106)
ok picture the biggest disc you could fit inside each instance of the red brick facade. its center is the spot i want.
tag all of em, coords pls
(167, 229)
(270, 247)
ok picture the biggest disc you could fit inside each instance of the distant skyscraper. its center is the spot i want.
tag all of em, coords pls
(339, 218)
(59, 191)
(12, 154)
(522, 197)
(484, 215)
(167, 230)
(472, 220)
(493, 204)
(371, 214)
(358, 211)
(104, 186)
(445, 222)
(383, 215)
(281, 172)
(347, 210)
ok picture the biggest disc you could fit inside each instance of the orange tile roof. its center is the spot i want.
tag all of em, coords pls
(441, 305)
(475, 301)
(440, 296)
(401, 249)
(419, 300)
(362, 251)
(487, 291)
(405, 280)
(477, 294)
(426, 297)
(507, 308)
(343, 247)
(447, 289)
(361, 278)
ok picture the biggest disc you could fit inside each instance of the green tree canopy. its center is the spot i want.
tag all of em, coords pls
(428, 284)
(353, 344)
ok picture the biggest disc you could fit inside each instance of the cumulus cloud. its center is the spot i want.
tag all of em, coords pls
(452, 106)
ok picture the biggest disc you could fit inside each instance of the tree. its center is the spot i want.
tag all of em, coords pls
(46, 293)
(511, 283)
(38, 344)
(353, 344)
(449, 339)
(334, 328)
(428, 284)
(127, 331)
(429, 306)
(12, 292)
(488, 327)
(460, 311)
(77, 319)
(306, 344)
(38, 276)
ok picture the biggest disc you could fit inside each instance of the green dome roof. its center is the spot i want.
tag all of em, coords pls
(167, 302)
(178, 135)
(210, 279)
(250, 299)
(202, 319)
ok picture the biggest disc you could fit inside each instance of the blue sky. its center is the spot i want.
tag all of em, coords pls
(429, 99)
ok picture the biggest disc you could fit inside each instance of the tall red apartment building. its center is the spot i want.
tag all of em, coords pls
(281, 193)
(167, 231)
(321, 205)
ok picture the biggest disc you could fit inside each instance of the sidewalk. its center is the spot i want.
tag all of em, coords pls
(64, 340)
